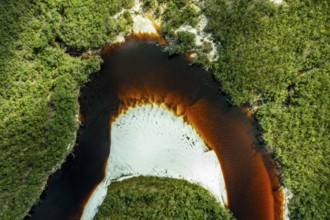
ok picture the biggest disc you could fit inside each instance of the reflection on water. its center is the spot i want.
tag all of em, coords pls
(138, 73)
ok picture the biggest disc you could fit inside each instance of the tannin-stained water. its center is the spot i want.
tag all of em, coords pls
(149, 140)
(137, 73)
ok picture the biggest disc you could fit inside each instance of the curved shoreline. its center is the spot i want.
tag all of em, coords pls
(138, 73)
(249, 172)
(148, 140)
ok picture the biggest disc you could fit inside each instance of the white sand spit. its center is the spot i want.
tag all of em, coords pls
(150, 140)
(287, 196)
(143, 25)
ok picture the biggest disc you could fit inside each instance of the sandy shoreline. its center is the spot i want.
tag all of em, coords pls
(151, 141)
(160, 147)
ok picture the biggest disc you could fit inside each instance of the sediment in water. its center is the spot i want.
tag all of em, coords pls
(138, 73)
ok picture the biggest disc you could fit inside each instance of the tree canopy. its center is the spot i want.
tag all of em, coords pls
(275, 58)
(159, 198)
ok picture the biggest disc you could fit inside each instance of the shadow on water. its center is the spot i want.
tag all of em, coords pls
(138, 73)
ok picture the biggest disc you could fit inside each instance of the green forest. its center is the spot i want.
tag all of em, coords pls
(273, 58)
(159, 198)
(277, 61)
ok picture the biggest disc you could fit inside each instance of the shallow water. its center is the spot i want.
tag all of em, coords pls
(149, 140)
(137, 73)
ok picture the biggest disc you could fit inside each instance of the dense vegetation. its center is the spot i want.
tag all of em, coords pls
(89, 24)
(274, 58)
(39, 85)
(159, 198)
(173, 13)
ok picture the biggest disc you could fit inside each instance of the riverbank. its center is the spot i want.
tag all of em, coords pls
(148, 140)
(152, 197)
(152, 77)
(276, 62)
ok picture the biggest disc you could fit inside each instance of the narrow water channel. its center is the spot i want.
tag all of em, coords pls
(139, 73)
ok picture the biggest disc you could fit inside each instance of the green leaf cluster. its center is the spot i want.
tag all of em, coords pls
(89, 24)
(39, 87)
(179, 13)
(276, 58)
(184, 41)
(175, 13)
(159, 198)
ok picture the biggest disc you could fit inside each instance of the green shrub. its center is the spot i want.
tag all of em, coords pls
(89, 24)
(184, 41)
(159, 198)
(277, 59)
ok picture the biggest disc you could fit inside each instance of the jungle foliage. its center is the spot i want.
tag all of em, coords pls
(185, 41)
(276, 59)
(179, 13)
(88, 24)
(173, 15)
(39, 85)
(273, 57)
(159, 198)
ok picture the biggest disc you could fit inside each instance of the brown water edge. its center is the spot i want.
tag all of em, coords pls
(137, 73)
(137, 78)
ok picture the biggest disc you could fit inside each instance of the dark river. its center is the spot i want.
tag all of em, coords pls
(139, 72)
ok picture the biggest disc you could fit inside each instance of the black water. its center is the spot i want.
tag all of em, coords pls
(139, 72)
